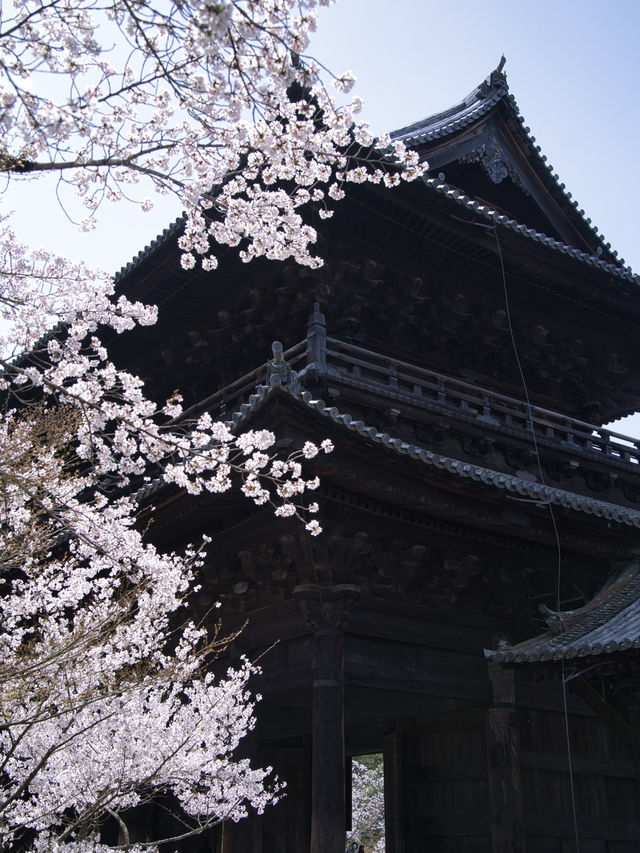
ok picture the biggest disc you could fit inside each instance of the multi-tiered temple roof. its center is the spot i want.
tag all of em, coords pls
(462, 345)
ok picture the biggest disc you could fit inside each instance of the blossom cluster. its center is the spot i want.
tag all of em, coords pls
(215, 102)
(102, 699)
(367, 819)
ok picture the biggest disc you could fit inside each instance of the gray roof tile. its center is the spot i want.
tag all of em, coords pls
(610, 622)
(490, 214)
(526, 489)
(517, 486)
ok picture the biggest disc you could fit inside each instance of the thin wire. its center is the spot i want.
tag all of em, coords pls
(530, 413)
(555, 528)
(574, 810)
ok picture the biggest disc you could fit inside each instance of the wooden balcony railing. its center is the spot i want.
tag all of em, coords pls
(423, 388)
(350, 365)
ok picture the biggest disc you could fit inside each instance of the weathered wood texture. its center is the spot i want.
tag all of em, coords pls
(326, 611)
(602, 779)
(395, 840)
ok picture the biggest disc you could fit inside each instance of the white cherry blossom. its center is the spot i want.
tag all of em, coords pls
(106, 697)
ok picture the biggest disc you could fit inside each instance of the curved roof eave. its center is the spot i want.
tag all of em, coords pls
(479, 102)
(517, 486)
(609, 623)
(482, 100)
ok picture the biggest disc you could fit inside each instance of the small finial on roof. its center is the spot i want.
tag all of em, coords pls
(498, 77)
(553, 619)
(279, 372)
(494, 80)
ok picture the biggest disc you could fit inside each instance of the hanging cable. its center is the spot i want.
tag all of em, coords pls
(553, 522)
(574, 810)
(529, 413)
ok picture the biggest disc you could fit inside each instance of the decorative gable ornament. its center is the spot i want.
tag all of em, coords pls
(493, 161)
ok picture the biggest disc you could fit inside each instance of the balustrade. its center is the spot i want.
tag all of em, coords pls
(355, 366)
(429, 389)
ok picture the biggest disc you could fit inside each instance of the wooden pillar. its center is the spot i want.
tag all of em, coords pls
(327, 756)
(326, 611)
(394, 793)
(503, 753)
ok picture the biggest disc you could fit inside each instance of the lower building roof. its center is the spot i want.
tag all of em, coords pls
(609, 623)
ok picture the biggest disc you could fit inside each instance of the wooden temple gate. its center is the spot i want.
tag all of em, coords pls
(462, 346)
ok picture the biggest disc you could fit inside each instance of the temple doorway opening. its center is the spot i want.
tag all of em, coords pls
(366, 828)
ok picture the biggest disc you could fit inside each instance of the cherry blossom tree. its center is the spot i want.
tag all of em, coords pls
(215, 101)
(106, 698)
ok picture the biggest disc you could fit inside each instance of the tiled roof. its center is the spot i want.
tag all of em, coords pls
(484, 98)
(477, 104)
(518, 487)
(170, 232)
(609, 623)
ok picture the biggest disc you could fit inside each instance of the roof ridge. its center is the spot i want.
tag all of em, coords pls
(561, 187)
(493, 89)
(479, 101)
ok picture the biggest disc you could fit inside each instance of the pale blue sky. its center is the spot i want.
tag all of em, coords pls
(572, 65)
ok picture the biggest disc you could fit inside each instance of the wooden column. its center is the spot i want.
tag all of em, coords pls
(503, 753)
(326, 611)
(394, 793)
(327, 757)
